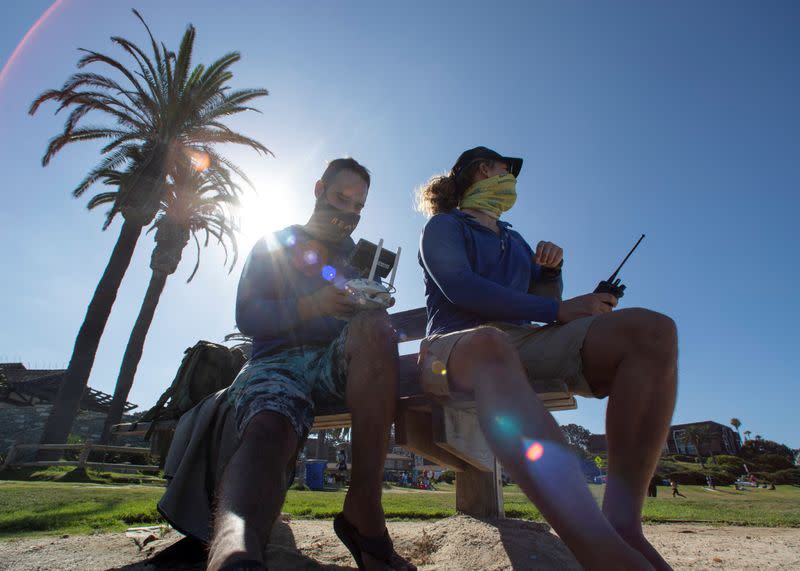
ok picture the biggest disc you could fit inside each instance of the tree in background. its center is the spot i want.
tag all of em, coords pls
(199, 200)
(160, 108)
(736, 423)
(577, 437)
(747, 434)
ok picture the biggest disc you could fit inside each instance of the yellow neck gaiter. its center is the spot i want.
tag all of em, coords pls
(493, 195)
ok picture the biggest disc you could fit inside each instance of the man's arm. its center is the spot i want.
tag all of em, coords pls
(260, 310)
(266, 309)
(445, 258)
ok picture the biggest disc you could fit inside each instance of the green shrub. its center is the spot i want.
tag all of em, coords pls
(688, 478)
(683, 458)
(730, 462)
(772, 462)
(723, 477)
(448, 476)
(788, 476)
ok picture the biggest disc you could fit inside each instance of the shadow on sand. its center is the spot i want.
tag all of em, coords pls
(190, 554)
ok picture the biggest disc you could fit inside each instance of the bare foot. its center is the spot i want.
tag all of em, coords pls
(638, 541)
(373, 522)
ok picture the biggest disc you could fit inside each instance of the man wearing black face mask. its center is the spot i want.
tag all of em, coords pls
(291, 301)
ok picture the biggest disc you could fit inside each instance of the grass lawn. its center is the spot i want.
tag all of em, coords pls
(36, 508)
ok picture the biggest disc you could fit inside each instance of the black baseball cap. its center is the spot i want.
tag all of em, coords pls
(482, 153)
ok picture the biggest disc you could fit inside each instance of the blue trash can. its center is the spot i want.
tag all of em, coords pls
(315, 474)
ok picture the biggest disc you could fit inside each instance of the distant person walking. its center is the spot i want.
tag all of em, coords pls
(675, 492)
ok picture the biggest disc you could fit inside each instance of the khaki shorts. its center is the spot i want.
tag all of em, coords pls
(549, 352)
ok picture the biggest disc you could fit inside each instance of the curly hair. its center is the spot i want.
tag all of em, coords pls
(443, 192)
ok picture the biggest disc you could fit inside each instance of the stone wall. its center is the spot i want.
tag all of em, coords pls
(24, 425)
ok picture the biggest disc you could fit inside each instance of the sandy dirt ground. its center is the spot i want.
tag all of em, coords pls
(457, 543)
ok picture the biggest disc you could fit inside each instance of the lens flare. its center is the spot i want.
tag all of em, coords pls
(26, 38)
(328, 273)
(506, 424)
(200, 159)
(310, 257)
(534, 451)
(438, 368)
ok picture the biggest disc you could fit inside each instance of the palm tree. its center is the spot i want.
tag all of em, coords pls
(160, 108)
(199, 198)
(736, 423)
(747, 434)
(696, 435)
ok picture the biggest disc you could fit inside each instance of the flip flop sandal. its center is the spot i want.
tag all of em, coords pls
(380, 547)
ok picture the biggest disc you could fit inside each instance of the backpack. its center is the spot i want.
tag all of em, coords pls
(205, 369)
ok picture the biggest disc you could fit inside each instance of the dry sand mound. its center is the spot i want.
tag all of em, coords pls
(456, 543)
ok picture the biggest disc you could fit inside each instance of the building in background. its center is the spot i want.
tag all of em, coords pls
(720, 439)
(27, 396)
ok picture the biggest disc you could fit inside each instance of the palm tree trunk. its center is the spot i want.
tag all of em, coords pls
(133, 352)
(70, 393)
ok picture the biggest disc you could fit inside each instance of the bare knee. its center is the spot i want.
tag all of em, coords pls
(486, 347)
(271, 436)
(371, 332)
(651, 336)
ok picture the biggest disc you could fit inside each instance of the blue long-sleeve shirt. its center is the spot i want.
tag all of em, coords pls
(474, 276)
(280, 269)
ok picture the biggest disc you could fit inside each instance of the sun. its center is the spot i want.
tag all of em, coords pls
(271, 207)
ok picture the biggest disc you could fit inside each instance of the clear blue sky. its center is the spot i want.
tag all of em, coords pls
(675, 119)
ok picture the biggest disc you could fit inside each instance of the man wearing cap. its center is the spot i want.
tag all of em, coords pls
(311, 345)
(484, 287)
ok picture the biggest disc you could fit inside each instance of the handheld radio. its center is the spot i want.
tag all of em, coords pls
(612, 285)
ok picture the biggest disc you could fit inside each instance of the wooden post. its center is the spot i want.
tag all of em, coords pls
(414, 433)
(480, 494)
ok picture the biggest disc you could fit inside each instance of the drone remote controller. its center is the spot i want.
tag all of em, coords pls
(613, 284)
(367, 292)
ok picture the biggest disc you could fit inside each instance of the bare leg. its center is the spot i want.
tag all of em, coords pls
(632, 355)
(252, 491)
(515, 421)
(371, 395)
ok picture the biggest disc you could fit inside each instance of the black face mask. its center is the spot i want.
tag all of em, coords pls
(329, 223)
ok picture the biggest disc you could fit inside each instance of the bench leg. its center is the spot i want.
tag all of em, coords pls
(160, 442)
(480, 494)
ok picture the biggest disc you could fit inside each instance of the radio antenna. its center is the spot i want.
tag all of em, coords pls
(375, 260)
(614, 275)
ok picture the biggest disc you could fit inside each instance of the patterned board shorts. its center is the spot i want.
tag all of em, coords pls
(291, 383)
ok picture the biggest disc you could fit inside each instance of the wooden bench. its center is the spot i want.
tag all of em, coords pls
(83, 458)
(446, 431)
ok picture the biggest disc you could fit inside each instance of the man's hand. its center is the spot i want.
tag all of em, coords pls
(548, 255)
(329, 300)
(585, 306)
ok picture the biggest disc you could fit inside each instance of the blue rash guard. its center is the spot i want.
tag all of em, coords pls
(474, 276)
(281, 269)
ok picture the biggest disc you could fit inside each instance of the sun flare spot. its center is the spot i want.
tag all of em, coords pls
(534, 452)
(200, 160)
